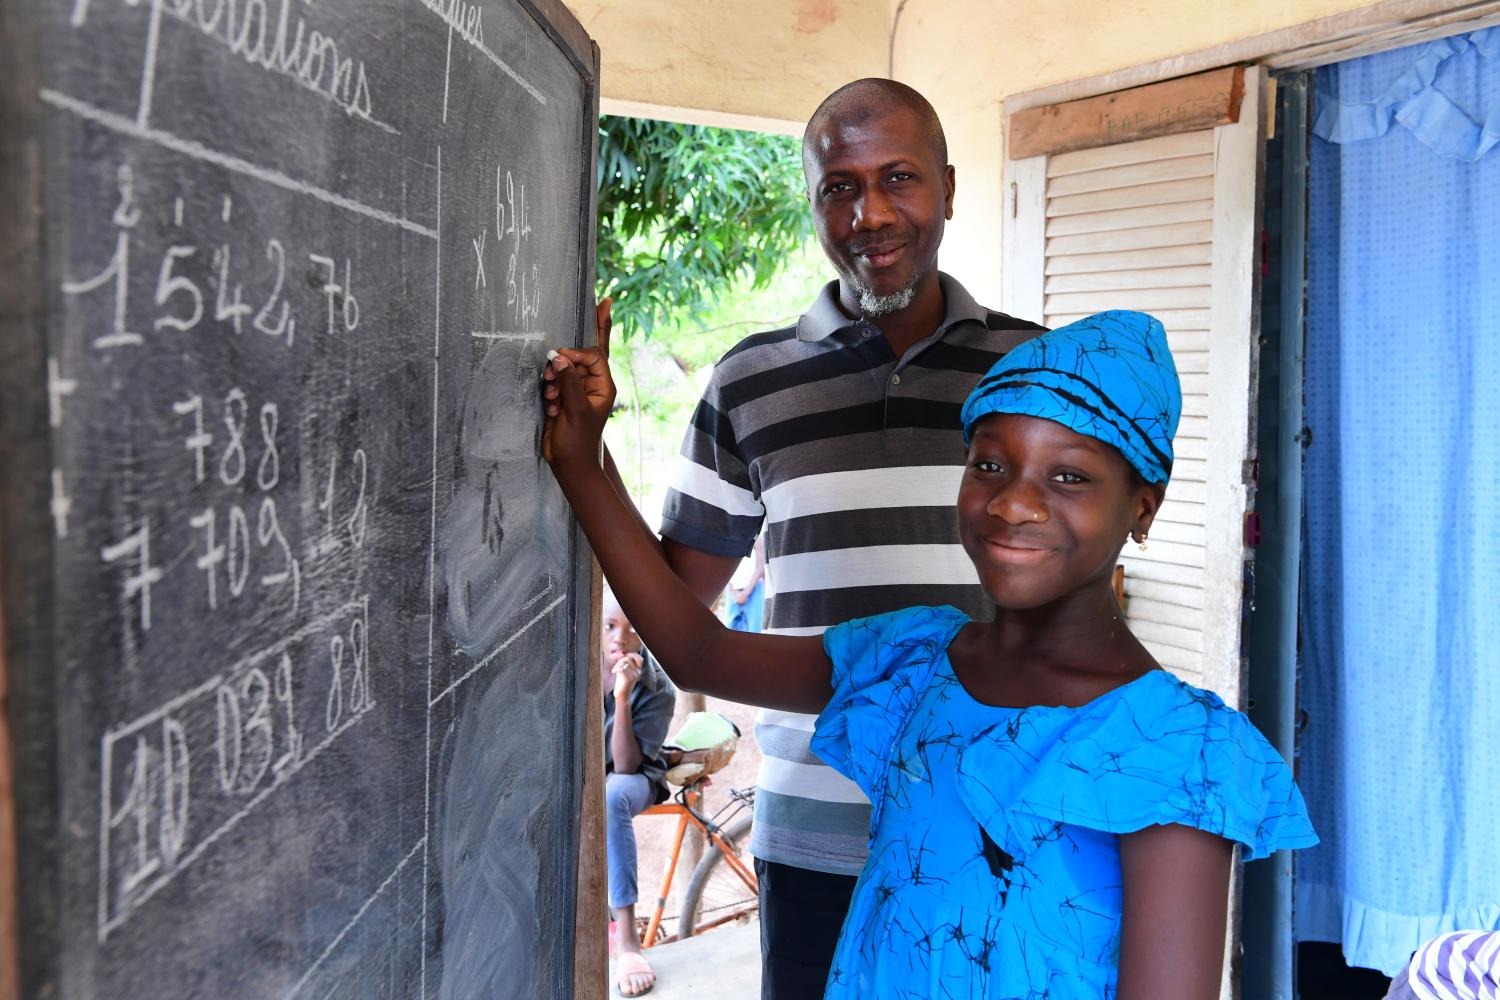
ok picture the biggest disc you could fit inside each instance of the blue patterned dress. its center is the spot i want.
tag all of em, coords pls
(994, 864)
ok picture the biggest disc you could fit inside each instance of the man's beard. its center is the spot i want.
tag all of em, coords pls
(871, 304)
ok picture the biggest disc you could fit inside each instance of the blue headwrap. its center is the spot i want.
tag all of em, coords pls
(1109, 377)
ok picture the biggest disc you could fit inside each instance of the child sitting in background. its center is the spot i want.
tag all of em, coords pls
(638, 704)
(1054, 815)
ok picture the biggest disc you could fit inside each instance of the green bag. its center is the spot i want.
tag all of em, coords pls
(707, 741)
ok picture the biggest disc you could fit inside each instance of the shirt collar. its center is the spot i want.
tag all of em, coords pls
(824, 318)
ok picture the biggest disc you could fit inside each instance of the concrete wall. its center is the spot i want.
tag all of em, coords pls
(746, 63)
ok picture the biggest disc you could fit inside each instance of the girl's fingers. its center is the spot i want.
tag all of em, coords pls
(579, 355)
(603, 322)
(576, 381)
(571, 394)
(594, 362)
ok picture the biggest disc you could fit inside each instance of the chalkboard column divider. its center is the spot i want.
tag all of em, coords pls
(437, 382)
(590, 948)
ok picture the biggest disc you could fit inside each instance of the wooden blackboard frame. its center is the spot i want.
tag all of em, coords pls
(30, 944)
(590, 893)
(27, 656)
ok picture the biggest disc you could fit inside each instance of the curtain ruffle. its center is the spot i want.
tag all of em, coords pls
(1414, 102)
(1374, 938)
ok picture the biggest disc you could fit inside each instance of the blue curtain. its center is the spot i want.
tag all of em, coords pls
(1401, 573)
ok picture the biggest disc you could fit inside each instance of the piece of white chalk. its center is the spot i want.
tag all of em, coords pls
(551, 354)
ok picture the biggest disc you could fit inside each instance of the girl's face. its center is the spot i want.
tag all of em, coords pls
(1043, 511)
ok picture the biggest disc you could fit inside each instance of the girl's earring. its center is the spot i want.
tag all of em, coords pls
(1140, 540)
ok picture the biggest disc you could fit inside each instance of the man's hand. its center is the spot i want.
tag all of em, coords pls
(578, 393)
(627, 672)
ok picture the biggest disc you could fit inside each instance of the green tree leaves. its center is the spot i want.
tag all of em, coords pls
(687, 212)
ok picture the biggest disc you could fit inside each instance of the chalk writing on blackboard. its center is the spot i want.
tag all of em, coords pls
(244, 720)
(302, 559)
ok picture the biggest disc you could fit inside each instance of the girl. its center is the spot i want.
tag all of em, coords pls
(1054, 815)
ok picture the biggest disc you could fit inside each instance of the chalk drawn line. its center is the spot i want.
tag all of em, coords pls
(198, 151)
(107, 923)
(437, 338)
(499, 649)
(525, 336)
(450, 17)
(538, 597)
(339, 938)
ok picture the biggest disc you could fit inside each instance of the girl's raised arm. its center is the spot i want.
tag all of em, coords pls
(791, 673)
(1176, 899)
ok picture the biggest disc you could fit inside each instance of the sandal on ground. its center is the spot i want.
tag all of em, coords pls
(630, 963)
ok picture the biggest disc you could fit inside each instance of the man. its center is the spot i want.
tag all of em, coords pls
(840, 434)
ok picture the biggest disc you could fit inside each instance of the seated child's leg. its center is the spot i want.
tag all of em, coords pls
(625, 797)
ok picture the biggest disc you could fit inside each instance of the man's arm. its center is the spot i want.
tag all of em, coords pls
(705, 574)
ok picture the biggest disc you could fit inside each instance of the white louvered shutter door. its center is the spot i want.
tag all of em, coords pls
(1166, 226)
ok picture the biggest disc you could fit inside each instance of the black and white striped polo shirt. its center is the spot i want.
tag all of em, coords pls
(852, 459)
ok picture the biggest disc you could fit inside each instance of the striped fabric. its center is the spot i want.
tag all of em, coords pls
(851, 458)
(1460, 966)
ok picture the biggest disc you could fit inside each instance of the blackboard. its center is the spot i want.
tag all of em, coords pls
(296, 620)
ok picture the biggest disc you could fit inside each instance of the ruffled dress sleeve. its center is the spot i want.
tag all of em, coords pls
(1156, 751)
(881, 666)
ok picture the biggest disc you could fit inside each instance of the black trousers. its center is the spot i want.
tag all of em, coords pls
(801, 914)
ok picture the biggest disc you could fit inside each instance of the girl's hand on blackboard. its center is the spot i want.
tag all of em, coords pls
(602, 326)
(584, 395)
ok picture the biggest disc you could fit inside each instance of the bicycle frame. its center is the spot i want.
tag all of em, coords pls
(689, 800)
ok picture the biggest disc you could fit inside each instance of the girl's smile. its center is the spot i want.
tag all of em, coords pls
(1014, 549)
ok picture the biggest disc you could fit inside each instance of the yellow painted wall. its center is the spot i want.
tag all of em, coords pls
(756, 59)
(1020, 45)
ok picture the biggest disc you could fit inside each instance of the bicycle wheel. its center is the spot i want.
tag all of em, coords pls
(716, 894)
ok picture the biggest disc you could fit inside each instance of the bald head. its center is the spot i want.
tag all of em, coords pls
(863, 101)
